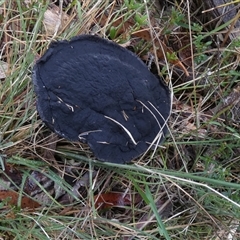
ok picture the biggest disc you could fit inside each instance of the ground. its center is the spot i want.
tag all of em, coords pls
(51, 188)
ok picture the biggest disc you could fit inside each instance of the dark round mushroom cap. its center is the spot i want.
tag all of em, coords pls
(95, 91)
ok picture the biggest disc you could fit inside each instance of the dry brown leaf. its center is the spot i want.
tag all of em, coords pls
(115, 199)
(3, 69)
(54, 20)
(12, 199)
(10, 175)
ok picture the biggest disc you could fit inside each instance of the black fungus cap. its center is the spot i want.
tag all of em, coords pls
(95, 91)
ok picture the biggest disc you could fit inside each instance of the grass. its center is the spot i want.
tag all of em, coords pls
(189, 187)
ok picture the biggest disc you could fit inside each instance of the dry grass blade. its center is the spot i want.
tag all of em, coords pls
(125, 129)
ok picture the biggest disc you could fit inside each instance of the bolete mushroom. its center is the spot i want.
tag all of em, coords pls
(92, 90)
